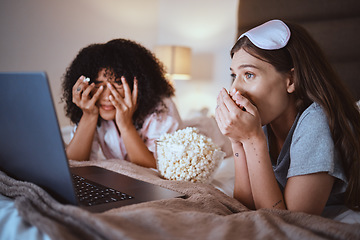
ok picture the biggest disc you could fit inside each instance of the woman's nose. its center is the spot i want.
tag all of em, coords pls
(234, 89)
(106, 92)
(236, 86)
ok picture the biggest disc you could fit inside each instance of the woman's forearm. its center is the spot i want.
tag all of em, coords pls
(242, 189)
(265, 190)
(80, 145)
(138, 152)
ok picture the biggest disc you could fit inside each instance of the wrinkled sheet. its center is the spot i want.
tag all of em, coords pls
(205, 213)
(12, 226)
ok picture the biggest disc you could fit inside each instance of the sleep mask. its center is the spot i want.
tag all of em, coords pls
(271, 35)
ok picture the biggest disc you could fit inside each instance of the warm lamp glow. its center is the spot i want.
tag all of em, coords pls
(177, 61)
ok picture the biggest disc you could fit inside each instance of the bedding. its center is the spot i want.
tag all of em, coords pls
(208, 211)
(205, 213)
(12, 226)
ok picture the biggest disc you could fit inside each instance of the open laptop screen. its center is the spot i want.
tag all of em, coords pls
(31, 145)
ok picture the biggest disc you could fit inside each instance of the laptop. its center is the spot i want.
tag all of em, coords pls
(32, 149)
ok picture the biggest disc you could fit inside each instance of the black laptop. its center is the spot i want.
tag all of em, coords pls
(32, 149)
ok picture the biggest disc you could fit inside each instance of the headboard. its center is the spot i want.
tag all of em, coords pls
(334, 24)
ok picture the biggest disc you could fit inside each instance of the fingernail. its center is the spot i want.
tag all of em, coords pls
(233, 90)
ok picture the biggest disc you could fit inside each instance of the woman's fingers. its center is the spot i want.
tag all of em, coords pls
(87, 89)
(115, 97)
(82, 94)
(114, 92)
(244, 103)
(96, 95)
(228, 101)
(130, 97)
(135, 92)
(236, 116)
(78, 82)
(219, 117)
(229, 113)
(114, 102)
(220, 101)
(81, 84)
(78, 89)
(222, 113)
(127, 90)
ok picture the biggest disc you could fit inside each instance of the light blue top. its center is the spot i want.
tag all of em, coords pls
(309, 148)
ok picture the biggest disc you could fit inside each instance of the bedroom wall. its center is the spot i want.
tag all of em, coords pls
(208, 27)
(41, 35)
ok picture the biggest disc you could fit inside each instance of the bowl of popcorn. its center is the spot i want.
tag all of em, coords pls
(187, 155)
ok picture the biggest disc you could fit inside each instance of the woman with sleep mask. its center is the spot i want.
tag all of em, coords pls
(293, 126)
(120, 102)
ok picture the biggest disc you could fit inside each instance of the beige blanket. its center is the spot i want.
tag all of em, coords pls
(206, 213)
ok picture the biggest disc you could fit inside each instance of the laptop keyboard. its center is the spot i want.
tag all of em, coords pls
(90, 193)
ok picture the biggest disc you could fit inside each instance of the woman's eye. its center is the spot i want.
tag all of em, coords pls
(233, 76)
(118, 84)
(249, 75)
(97, 84)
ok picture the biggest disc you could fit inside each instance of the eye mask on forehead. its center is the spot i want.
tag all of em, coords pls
(271, 35)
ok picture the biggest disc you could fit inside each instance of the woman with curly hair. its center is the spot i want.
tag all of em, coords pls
(293, 125)
(120, 102)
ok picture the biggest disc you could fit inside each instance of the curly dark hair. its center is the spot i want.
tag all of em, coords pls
(124, 58)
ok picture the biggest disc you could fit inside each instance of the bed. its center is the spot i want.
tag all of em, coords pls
(205, 213)
(208, 211)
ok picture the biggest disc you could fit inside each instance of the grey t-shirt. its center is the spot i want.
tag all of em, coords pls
(309, 148)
